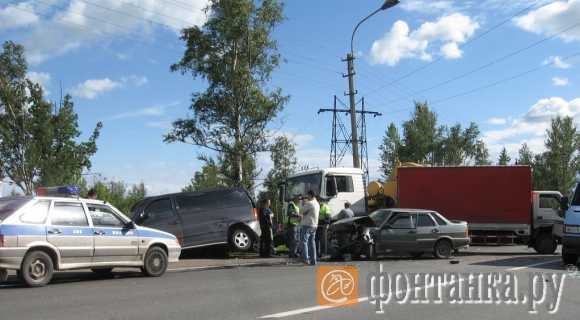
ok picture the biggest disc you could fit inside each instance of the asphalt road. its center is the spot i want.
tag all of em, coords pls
(283, 292)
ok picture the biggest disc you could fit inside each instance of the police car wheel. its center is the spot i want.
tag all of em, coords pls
(102, 271)
(3, 275)
(241, 240)
(37, 269)
(155, 263)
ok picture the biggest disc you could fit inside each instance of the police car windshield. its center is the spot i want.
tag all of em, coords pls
(9, 205)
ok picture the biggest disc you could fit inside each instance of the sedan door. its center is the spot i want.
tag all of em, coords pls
(398, 234)
(114, 242)
(69, 231)
(427, 232)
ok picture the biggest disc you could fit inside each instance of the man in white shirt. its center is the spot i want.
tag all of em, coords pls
(308, 225)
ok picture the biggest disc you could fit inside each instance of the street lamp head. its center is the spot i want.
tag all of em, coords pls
(389, 4)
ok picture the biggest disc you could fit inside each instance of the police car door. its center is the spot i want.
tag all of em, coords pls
(68, 229)
(114, 242)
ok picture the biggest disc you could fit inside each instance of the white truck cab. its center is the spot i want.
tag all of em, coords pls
(571, 235)
(335, 185)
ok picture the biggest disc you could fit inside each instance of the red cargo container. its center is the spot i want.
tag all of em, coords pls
(489, 198)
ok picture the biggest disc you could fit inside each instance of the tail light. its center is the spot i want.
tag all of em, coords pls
(1, 241)
(255, 213)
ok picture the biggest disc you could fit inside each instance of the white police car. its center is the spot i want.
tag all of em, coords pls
(571, 235)
(53, 232)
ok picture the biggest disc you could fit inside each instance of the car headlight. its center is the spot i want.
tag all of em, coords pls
(571, 229)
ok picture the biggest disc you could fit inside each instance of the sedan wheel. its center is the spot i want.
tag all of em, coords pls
(241, 240)
(37, 269)
(443, 249)
(155, 263)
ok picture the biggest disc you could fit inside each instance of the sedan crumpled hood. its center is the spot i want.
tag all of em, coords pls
(349, 223)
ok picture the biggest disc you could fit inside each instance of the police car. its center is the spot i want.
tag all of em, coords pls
(56, 230)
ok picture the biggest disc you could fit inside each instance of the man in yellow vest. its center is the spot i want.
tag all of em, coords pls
(292, 226)
(323, 223)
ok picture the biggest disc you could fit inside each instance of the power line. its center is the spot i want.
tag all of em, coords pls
(494, 83)
(466, 44)
(493, 62)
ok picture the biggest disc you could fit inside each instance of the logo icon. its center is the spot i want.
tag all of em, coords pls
(337, 285)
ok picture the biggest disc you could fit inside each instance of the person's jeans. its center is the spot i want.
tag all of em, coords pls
(293, 239)
(308, 244)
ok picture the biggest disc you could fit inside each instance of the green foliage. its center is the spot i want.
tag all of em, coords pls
(283, 156)
(117, 194)
(235, 53)
(427, 143)
(38, 141)
(562, 156)
(525, 155)
(209, 177)
(504, 158)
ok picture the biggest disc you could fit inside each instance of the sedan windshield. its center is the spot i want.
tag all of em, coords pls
(379, 216)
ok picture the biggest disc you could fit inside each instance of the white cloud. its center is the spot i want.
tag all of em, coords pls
(92, 88)
(400, 42)
(497, 121)
(155, 111)
(557, 62)
(17, 16)
(81, 23)
(426, 6)
(40, 78)
(553, 18)
(531, 127)
(560, 82)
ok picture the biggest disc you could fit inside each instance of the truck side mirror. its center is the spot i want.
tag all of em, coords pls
(331, 189)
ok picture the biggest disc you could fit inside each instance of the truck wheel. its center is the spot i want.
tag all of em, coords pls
(569, 258)
(241, 240)
(443, 249)
(3, 275)
(545, 244)
(155, 262)
(37, 269)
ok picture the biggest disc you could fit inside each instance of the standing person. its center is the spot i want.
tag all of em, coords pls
(308, 226)
(92, 194)
(292, 227)
(266, 246)
(323, 223)
(346, 212)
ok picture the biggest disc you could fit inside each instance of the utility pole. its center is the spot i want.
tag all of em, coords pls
(351, 90)
(351, 94)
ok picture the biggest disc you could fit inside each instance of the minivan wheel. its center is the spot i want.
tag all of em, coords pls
(37, 269)
(443, 249)
(155, 263)
(241, 240)
(3, 275)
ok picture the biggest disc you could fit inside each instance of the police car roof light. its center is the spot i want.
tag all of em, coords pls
(59, 191)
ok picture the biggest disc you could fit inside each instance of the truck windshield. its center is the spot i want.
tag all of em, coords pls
(576, 200)
(9, 205)
(300, 185)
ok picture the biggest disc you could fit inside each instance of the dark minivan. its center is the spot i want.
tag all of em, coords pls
(200, 219)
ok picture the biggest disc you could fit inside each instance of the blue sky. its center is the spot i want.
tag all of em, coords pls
(113, 56)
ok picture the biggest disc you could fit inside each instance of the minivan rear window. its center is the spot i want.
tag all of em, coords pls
(9, 206)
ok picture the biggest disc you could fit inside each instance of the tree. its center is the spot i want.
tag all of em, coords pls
(525, 155)
(208, 178)
(116, 193)
(504, 158)
(283, 156)
(420, 135)
(235, 53)
(459, 146)
(562, 158)
(38, 141)
(389, 150)
(481, 157)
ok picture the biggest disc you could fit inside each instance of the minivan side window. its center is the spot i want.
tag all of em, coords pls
(158, 210)
(68, 214)
(37, 213)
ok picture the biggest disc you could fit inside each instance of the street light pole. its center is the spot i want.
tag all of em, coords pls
(351, 91)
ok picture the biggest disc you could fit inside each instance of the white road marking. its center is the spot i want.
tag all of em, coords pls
(533, 265)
